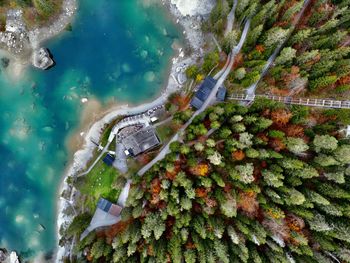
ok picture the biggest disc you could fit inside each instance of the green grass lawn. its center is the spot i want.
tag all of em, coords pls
(99, 183)
(165, 132)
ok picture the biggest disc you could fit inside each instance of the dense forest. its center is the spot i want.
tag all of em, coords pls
(267, 186)
(313, 37)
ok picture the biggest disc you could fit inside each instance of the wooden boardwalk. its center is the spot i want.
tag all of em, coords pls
(324, 103)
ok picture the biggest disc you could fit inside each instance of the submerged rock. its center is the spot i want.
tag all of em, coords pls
(5, 62)
(42, 59)
(3, 255)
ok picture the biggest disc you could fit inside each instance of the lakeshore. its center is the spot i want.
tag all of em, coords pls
(23, 50)
(190, 21)
(210, 180)
(228, 215)
(43, 108)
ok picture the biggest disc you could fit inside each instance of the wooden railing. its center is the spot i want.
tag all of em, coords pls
(325, 103)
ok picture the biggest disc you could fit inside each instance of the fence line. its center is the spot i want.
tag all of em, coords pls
(325, 103)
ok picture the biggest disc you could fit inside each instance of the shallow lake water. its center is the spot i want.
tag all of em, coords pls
(117, 50)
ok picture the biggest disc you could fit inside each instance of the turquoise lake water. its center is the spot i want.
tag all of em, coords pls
(118, 49)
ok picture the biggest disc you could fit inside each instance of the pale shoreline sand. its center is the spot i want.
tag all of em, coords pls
(195, 38)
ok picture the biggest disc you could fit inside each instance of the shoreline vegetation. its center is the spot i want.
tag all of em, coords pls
(231, 183)
(26, 25)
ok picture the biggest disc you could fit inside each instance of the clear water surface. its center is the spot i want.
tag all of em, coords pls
(118, 49)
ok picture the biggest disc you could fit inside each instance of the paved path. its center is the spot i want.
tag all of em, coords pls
(231, 18)
(324, 103)
(120, 159)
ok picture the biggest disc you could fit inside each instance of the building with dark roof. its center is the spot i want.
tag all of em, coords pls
(109, 160)
(106, 214)
(204, 91)
(109, 207)
(141, 141)
(221, 95)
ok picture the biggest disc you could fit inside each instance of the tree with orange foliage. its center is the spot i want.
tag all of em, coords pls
(201, 192)
(294, 130)
(260, 48)
(281, 116)
(238, 155)
(248, 203)
(200, 169)
(277, 144)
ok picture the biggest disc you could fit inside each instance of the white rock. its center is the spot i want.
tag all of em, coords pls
(194, 7)
(14, 258)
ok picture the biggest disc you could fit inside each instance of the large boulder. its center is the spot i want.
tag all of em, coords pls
(14, 258)
(41, 59)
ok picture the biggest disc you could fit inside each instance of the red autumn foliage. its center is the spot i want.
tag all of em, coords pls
(207, 123)
(279, 92)
(295, 223)
(344, 80)
(289, 77)
(270, 80)
(190, 245)
(238, 61)
(144, 159)
(294, 130)
(171, 175)
(262, 136)
(277, 144)
(260, 48)
(281, 117)
(248, 204)
(197, 208)
(306, 16)
(181, 101)
(238, 155)
(155, 186)
(89, 257)
(228, 188)
(150, 250)
(281, 23)
(266, 113)
(257, 172)
(201, 192)
(114, 230)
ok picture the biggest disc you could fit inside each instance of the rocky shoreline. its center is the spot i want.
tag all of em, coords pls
(24, 46)
(20, 47)
(195, 38)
